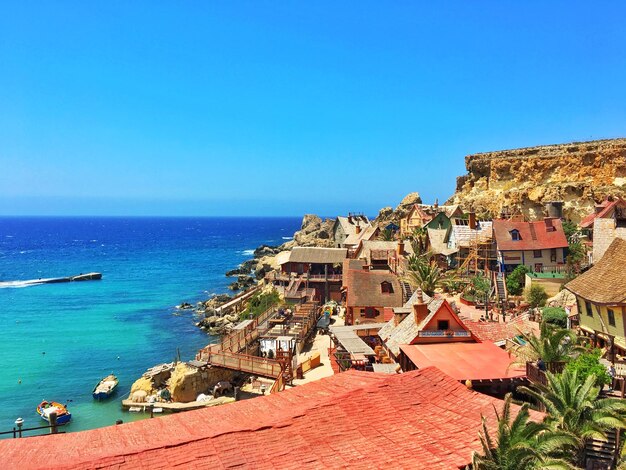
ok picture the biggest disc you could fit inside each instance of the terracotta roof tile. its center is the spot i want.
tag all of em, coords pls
(534, 235)
(364, 289)
(605, 282)
(421, 419)
(496, 332)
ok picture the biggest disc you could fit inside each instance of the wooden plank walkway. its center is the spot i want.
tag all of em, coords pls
(227, 354)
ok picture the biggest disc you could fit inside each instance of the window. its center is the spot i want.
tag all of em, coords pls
(553, 255)
(443, 325)
(386, 287)
(515, 236)
(588, 308)
(371, 312)
(537, 253)
(611, 315)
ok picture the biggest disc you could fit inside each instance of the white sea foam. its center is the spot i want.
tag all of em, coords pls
(247, 252)
(287, 238)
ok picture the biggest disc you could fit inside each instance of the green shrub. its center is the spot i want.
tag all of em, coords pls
(259, 303)
(588, 363)
(536, 296)
(515, 280)
(555, 316)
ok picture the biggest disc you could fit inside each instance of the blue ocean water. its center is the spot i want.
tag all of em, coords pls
(58, 340)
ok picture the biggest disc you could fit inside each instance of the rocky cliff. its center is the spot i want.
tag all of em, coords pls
(523, 180)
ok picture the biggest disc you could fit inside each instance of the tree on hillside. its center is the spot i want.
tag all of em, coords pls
(571, 230)
(556, 316)
(588, 363)
(573, 408)
(520, 443)
(536, 296)
(515, 281)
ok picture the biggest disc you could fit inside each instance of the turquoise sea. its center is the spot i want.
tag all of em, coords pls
(58, 340)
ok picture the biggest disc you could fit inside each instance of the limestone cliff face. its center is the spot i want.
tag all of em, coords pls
(523, 180)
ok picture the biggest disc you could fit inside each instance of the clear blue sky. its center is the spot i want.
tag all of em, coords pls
(282, 108)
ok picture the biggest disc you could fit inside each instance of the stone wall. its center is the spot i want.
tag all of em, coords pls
(604, 232)
(524, 180)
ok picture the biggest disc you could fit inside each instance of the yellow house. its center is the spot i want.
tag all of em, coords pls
(601, 296)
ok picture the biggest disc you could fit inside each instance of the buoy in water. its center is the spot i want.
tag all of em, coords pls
(19, 381)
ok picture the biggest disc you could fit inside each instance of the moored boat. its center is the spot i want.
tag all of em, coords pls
(45, 408)
(105, 387)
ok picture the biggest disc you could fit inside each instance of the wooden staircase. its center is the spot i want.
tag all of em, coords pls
(407, 291)
(601, 455)
(501, 291)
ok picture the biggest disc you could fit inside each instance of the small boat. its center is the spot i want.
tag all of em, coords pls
(46, 407)
(105, 387)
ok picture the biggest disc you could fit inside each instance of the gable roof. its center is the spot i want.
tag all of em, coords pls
(300, 254)
(420, 419)
(408, 330)
(605, 282)
(603, 210)
(366, 234)
(438, 240)
(349, 224)
(424, 212)
(463, 234)
(365, 248)
(534, 235)
(364, 288)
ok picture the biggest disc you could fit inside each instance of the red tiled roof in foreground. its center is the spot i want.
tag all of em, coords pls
(464, 361)
(420, 419)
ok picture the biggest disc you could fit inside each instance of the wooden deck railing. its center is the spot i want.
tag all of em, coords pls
(246, 363)
(535, 375)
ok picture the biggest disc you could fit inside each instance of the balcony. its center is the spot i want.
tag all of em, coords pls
(444, 334)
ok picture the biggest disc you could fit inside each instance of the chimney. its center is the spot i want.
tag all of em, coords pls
(398, 317)
(549, 221)
(420, 309)
(436, 204)
(400, 247)
(472, 220)
(358, 228)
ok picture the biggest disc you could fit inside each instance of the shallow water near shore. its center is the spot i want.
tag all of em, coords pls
(58, 340)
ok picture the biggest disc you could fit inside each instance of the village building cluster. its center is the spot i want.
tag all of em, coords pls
(400, 354)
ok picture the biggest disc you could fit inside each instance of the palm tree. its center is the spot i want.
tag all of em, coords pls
(387, 235)
(574, 408)
(521, 443)
(552, 345)
(423, 273)
(419, 240)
